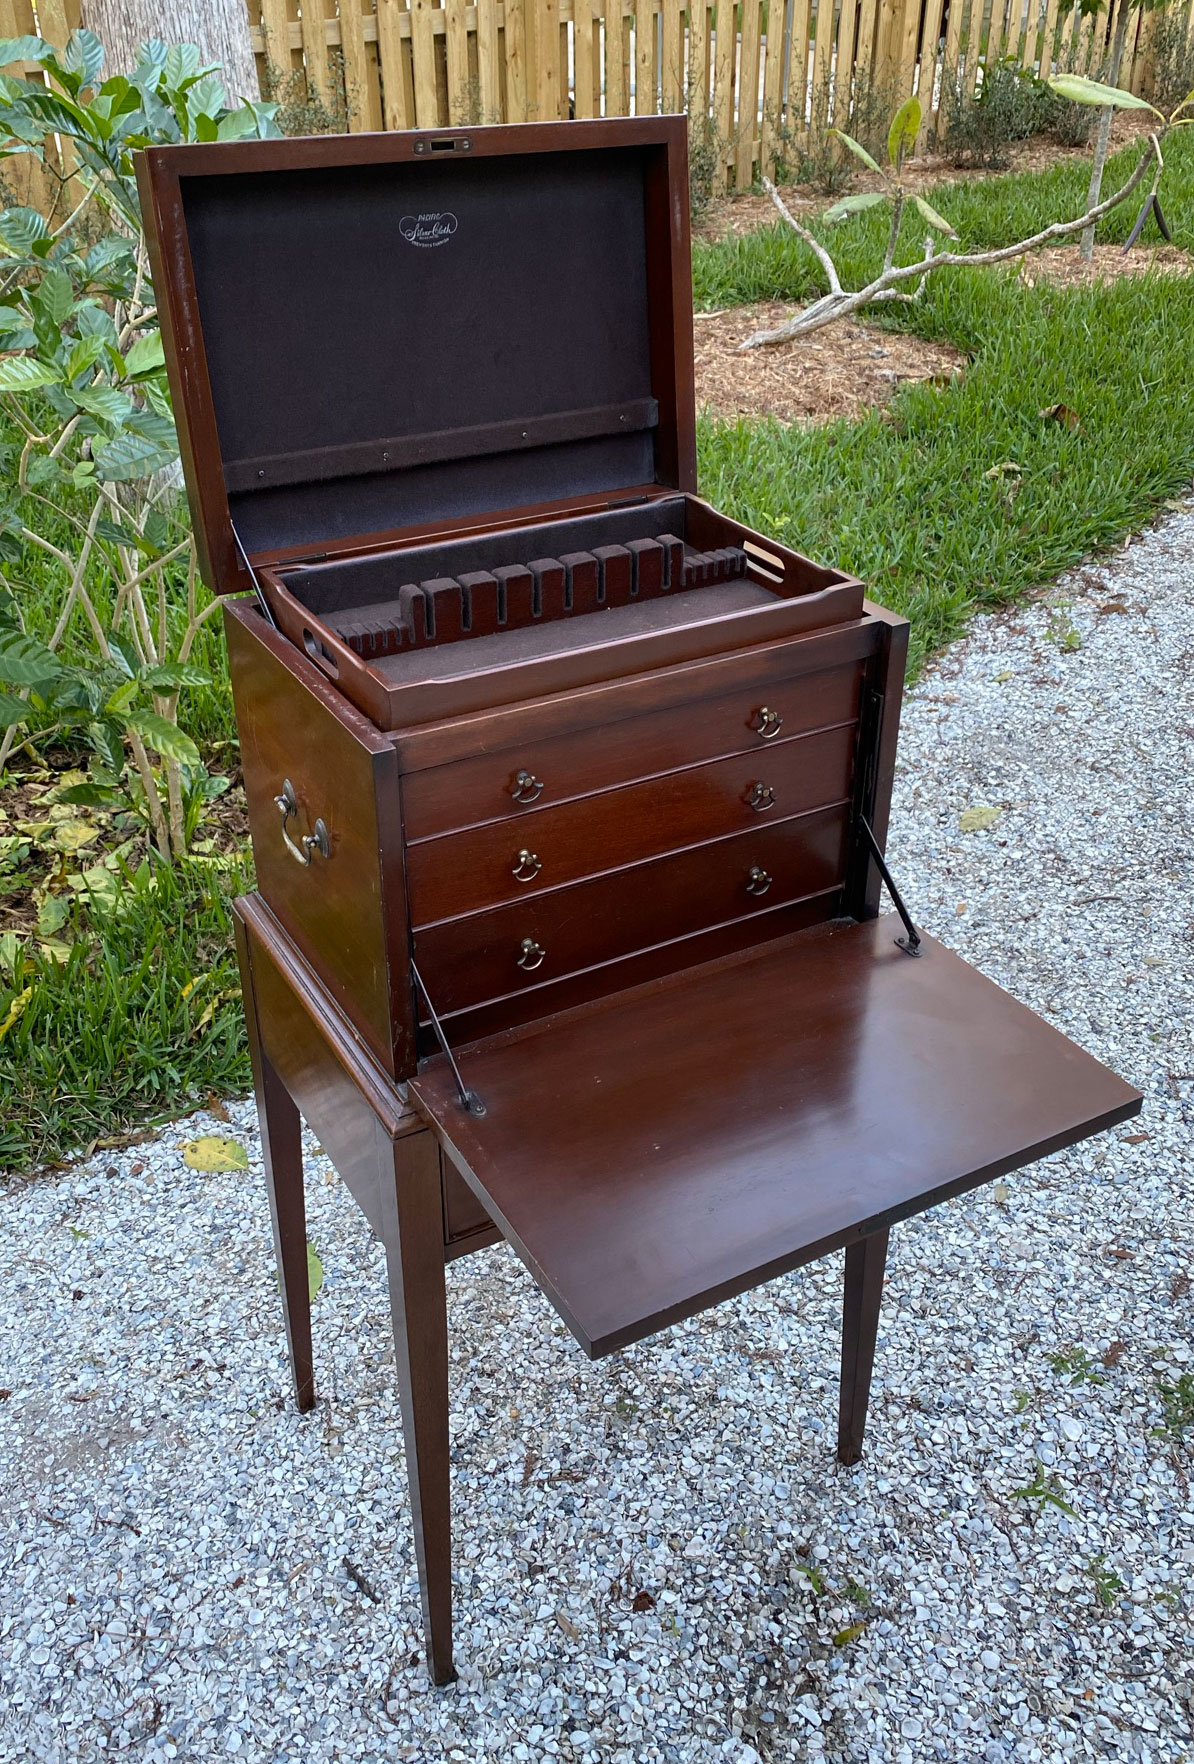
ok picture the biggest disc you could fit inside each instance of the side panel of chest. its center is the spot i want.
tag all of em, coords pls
(346, 911)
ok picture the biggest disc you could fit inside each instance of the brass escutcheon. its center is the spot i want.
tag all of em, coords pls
(531, 954)
(526, 866)
(526, 787)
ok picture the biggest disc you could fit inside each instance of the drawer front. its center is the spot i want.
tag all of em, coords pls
(443, 799)
(486, 866)
(490, 955)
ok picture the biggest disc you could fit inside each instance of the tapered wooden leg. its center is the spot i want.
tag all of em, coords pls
(413, 1233)
(865, 1262)
(282, 1154)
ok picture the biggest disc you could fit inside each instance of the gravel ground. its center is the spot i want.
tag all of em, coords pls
(656, 1556)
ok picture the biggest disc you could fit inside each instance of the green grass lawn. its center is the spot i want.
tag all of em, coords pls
(966, 495)
(957, 497)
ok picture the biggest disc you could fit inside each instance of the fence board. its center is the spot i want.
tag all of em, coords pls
(671, 58)
(645, 69)
(422, 42)
(748, 90)
(396, 82)
(615, 85)
(723, 89)
(773, 91)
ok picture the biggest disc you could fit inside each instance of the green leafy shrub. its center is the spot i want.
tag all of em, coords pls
(1010, 105)
(1171, 47)
(95, 461)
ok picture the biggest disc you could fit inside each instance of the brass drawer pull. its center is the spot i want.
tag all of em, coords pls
(531, 954)
(526, 787)
(317, 841)
(769, 723)
(761, 797)
(526, 866)
(758, 881)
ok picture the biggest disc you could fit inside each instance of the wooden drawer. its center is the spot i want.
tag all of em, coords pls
(464, 872)
(443, 799)
(470, 960)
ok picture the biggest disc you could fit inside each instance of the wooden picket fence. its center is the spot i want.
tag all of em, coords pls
(775, 73)
(755, 88)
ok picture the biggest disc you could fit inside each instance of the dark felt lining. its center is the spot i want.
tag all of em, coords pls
(562, 636)
(360, 582)
(326, 326)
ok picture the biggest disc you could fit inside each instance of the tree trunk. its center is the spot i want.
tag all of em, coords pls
(1106, 118)
(219, 27)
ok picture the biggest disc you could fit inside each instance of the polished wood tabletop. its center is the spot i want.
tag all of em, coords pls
(655, 1152)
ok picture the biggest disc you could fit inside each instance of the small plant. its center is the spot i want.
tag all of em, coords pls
(1046, 1490)
(707, 155)
(1011, 104)
(1177, 1405)
(1076, 1365)
(301, 111)
(813, 1574)
(1106, 1582)
(82, 383)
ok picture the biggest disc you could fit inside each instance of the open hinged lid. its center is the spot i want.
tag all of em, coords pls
(372, 333)
(662, 1149)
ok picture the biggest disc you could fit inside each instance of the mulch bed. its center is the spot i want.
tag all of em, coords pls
(838, 372)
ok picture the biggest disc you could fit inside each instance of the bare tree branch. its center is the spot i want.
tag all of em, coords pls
(839, 303)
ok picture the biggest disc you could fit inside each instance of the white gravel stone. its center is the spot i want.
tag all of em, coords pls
(173, 1535)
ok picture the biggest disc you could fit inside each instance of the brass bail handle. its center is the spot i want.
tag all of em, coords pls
(768, 723)
(526, 866)
(531, 954)
(318, 840)
(526, 787)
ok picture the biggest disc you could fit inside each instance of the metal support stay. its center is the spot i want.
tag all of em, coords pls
(911, 943)
(258, 590)
(470, 1102)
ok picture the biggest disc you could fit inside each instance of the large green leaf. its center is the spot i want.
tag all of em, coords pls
(55, 295)
(236, 125)
(183, 66)
(130, 456)
(146, 355)
(857, 149)
(20, 230)
(12, 710)
(170, 676)
(26, 662)
(929, 213)
(84, 56)
(1083, 91)
(124, 654)
(84, 354)
(24, 373)
(23, 49)
(854, 205)
(165, 738)
(905, 126)
(104, 402)
(206, 98)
